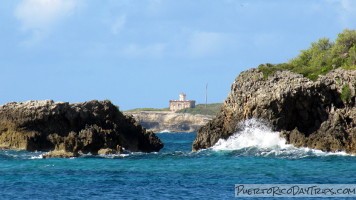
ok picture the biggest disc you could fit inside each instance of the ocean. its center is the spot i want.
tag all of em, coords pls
(256, 155)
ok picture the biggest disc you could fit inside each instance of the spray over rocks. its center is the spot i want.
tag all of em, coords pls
(304, 113)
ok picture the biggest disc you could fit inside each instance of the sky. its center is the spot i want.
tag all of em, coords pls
(143, 53)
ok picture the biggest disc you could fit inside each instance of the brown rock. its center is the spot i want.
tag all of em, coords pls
(107, 151)
(309, 114)
(71, 129)
(158, 121)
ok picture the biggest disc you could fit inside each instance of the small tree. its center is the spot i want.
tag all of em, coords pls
(352, 56)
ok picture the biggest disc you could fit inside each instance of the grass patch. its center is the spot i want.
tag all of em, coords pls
(349, 67)
(269, 69)
(202, 109)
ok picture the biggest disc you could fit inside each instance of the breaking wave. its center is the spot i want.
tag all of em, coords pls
(256, 138)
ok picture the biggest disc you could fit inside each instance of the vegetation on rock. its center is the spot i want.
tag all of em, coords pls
(318, 115)
(346, 93)
(322, 57)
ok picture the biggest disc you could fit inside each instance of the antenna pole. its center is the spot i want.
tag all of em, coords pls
(206, 95)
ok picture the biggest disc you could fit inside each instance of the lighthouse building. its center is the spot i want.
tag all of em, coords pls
(182, 103)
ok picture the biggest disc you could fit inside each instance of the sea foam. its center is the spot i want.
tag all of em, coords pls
(256, 138)
(165, 131)
(254, 133)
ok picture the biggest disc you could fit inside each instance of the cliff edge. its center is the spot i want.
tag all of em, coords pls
(160, 121)
(67, 130)
(319, 115)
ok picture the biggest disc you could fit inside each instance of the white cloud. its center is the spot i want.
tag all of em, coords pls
(206, 43)
(39, 16)
(149, 51)
(118, 25)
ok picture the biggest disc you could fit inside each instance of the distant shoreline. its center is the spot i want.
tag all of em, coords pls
(158, 121)
(202, 109)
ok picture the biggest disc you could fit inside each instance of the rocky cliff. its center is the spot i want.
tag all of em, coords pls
(319, 115)
(170, 121)
(95, 127)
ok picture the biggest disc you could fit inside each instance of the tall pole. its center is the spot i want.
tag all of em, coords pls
(206, 95)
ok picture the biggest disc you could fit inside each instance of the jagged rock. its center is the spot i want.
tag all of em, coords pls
(107, 151)
(309, 114)
(60, 154)
(158, 121)
(72, 129)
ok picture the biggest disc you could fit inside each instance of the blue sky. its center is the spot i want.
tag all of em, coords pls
(142, 53)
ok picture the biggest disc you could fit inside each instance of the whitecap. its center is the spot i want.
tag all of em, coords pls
(38, 156)
(254, 133)
(257, 139)
(165, 131)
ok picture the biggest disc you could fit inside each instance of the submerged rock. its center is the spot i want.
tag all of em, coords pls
(308, 114)
(69, 130)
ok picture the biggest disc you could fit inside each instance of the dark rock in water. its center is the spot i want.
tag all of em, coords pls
(72, 129)
(308, 114)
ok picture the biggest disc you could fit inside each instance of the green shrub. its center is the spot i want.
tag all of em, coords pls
(269, 69)
(319, 59)
(346, 93)
(351, 60)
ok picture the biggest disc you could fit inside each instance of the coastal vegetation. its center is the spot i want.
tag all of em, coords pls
(200, 109)
(346, 93)
(322, 57)
(203, 109)
(306, 113)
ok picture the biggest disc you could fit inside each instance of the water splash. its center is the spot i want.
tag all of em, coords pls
(165, 131)
(256, 138)
(254, 133)
(37, 156)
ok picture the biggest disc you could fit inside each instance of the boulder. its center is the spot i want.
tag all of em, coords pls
(308, 114)
(72, 129)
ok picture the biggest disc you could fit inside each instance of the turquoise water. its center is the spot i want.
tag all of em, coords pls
(174, 173)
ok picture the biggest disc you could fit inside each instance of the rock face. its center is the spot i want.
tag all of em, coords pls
(309, 114)
(169, 121)
(72, 129)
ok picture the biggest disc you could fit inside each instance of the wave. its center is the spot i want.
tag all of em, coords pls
(19, 154)
(256, 138)
(254, 133)
(37, 157)
(165, 131)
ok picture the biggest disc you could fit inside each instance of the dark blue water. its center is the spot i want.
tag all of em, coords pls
(174, 173)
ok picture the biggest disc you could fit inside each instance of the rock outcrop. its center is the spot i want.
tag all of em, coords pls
(72, 129)
(169, 121)
(308, 114)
